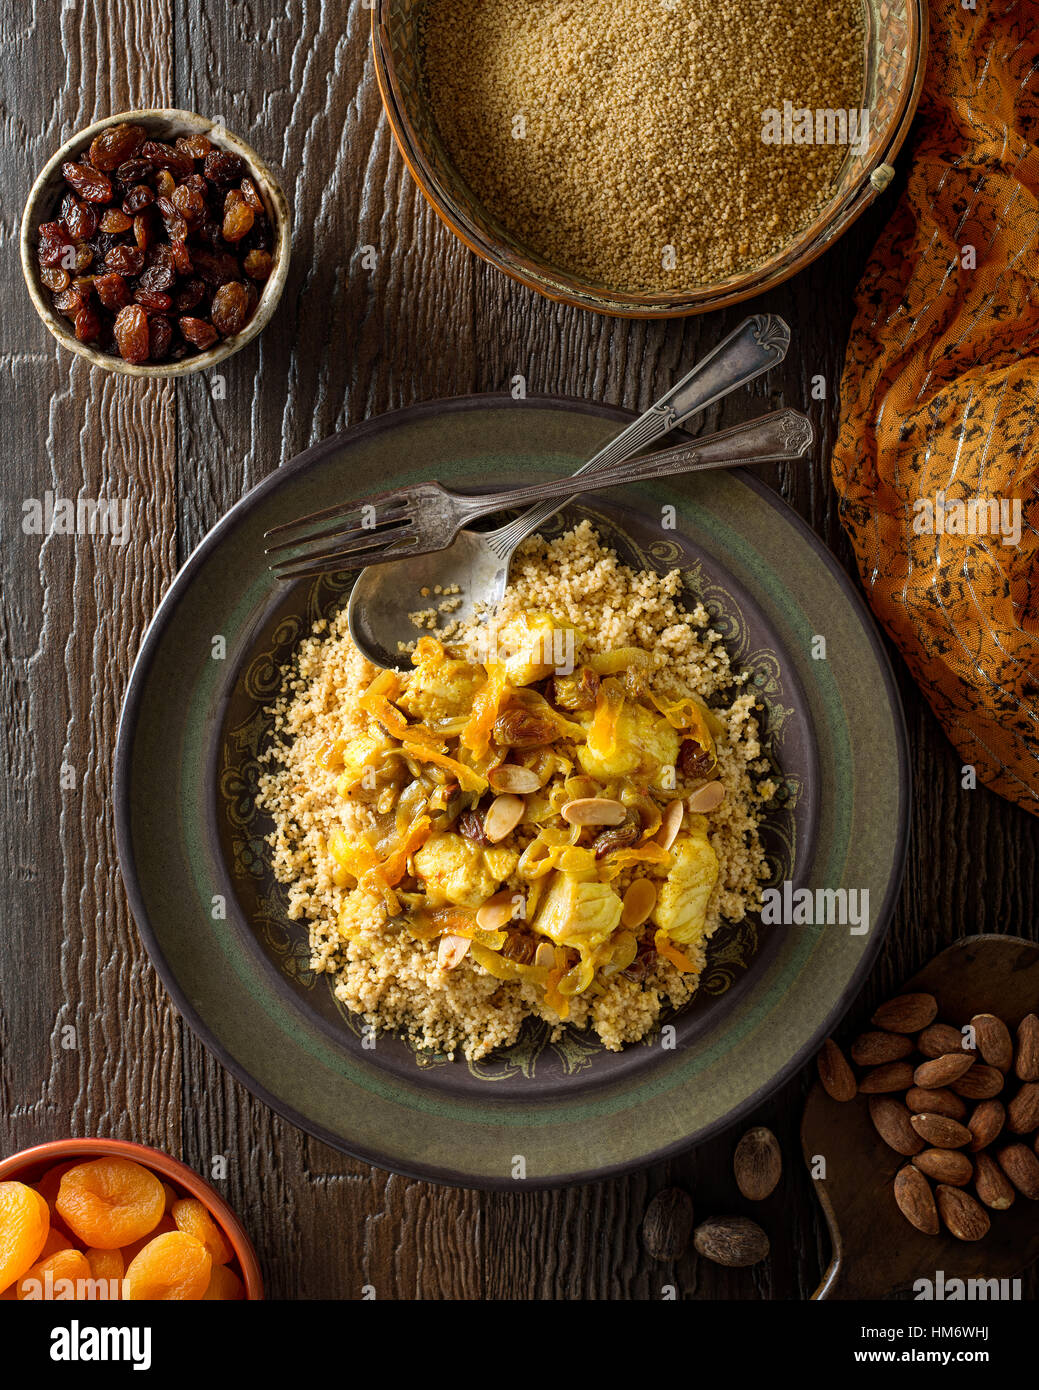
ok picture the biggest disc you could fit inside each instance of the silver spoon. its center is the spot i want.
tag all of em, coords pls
(478, 562)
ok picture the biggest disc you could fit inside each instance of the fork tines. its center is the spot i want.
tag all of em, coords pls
(352, 532)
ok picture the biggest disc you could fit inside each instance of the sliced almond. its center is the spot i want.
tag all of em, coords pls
(594, 810)
(496, 912)
(670, 824)
(707, 799)
(639, 902)
(452, 951)
(545, 956)
(503, 814)
(510, 777)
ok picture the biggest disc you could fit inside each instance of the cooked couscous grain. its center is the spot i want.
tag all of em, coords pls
(382, 972)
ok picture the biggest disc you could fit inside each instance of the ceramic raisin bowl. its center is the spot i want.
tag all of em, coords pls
(166, 124)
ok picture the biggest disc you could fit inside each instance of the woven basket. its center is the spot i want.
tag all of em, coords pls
(896, 33)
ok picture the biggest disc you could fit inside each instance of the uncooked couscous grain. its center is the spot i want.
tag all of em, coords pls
(624, 142)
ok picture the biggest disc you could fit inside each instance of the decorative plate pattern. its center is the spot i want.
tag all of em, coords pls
(244, 826)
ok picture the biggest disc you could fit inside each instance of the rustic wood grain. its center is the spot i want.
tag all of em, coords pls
(296, 80)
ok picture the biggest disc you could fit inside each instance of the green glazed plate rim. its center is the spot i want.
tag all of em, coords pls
(502, 1117)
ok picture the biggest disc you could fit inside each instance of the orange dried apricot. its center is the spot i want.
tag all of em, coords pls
(170, 1195)
(105, 1264)
(24, 1223)
(131, 1251)
(191, 1216)
(175, 1266)
(110, 1202)
(65, 1265)
(224, 1286)
(56, 1240)
(48, 1185)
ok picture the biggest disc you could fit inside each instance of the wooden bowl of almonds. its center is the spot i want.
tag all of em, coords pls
(155, 243)
(922, 1135)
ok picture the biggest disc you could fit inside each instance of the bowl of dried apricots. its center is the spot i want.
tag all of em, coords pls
(104, 1219)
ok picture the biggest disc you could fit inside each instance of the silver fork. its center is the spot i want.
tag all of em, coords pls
(426, 517)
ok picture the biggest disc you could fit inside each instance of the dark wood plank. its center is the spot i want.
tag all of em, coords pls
(74, 609)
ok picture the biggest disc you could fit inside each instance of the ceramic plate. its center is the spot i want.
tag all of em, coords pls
(191, 841)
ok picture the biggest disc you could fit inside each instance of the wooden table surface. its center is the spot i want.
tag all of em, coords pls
(90, 1043)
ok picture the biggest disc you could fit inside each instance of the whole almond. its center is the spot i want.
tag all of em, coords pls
(837, 1077)
(667, 1224)
(1023, 1110)
(915, 1200)
(892, 1076)
(734, 1241)
(1022, 1168)
(980, 1083)
(908, 1013)
(936, 1102)
(871, 1049)
(758, 1164)
(987, 1120)
(940, 1132)
(991, 1183)
(943, 1071)
(891, 1120)
(965, 1218)
(940, 1039)
(1026, 1051)
(945, 1165)
(993, 1039)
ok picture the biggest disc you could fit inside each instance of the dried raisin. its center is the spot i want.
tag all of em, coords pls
(55, 278)
(131, 333)
(87, 183)
(162, 156)
(230, 308)
(115, 220)
(199, 332)
(251, 195)
(223, 168)
(112, 291)
(134, 171)
(238, 216)
(137, 199)
(160, 335)
(159, 276)
(115, 145)
(193, 146)
(258, 265)
(189, 202)
(128, 260)
(188, 296)
(88, 324)
(79, 218)
(53, 243)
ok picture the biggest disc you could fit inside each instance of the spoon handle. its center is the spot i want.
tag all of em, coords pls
(759, 343)
(782, 436)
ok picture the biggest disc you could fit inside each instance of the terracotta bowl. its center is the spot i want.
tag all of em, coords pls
(30, 1165)
(895, 63)
(161, 125)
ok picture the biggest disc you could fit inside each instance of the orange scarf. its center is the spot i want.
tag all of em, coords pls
(938, 451)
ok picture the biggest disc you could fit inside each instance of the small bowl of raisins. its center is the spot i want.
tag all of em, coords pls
(155, 243)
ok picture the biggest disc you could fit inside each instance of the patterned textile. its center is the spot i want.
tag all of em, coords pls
(937, 462)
